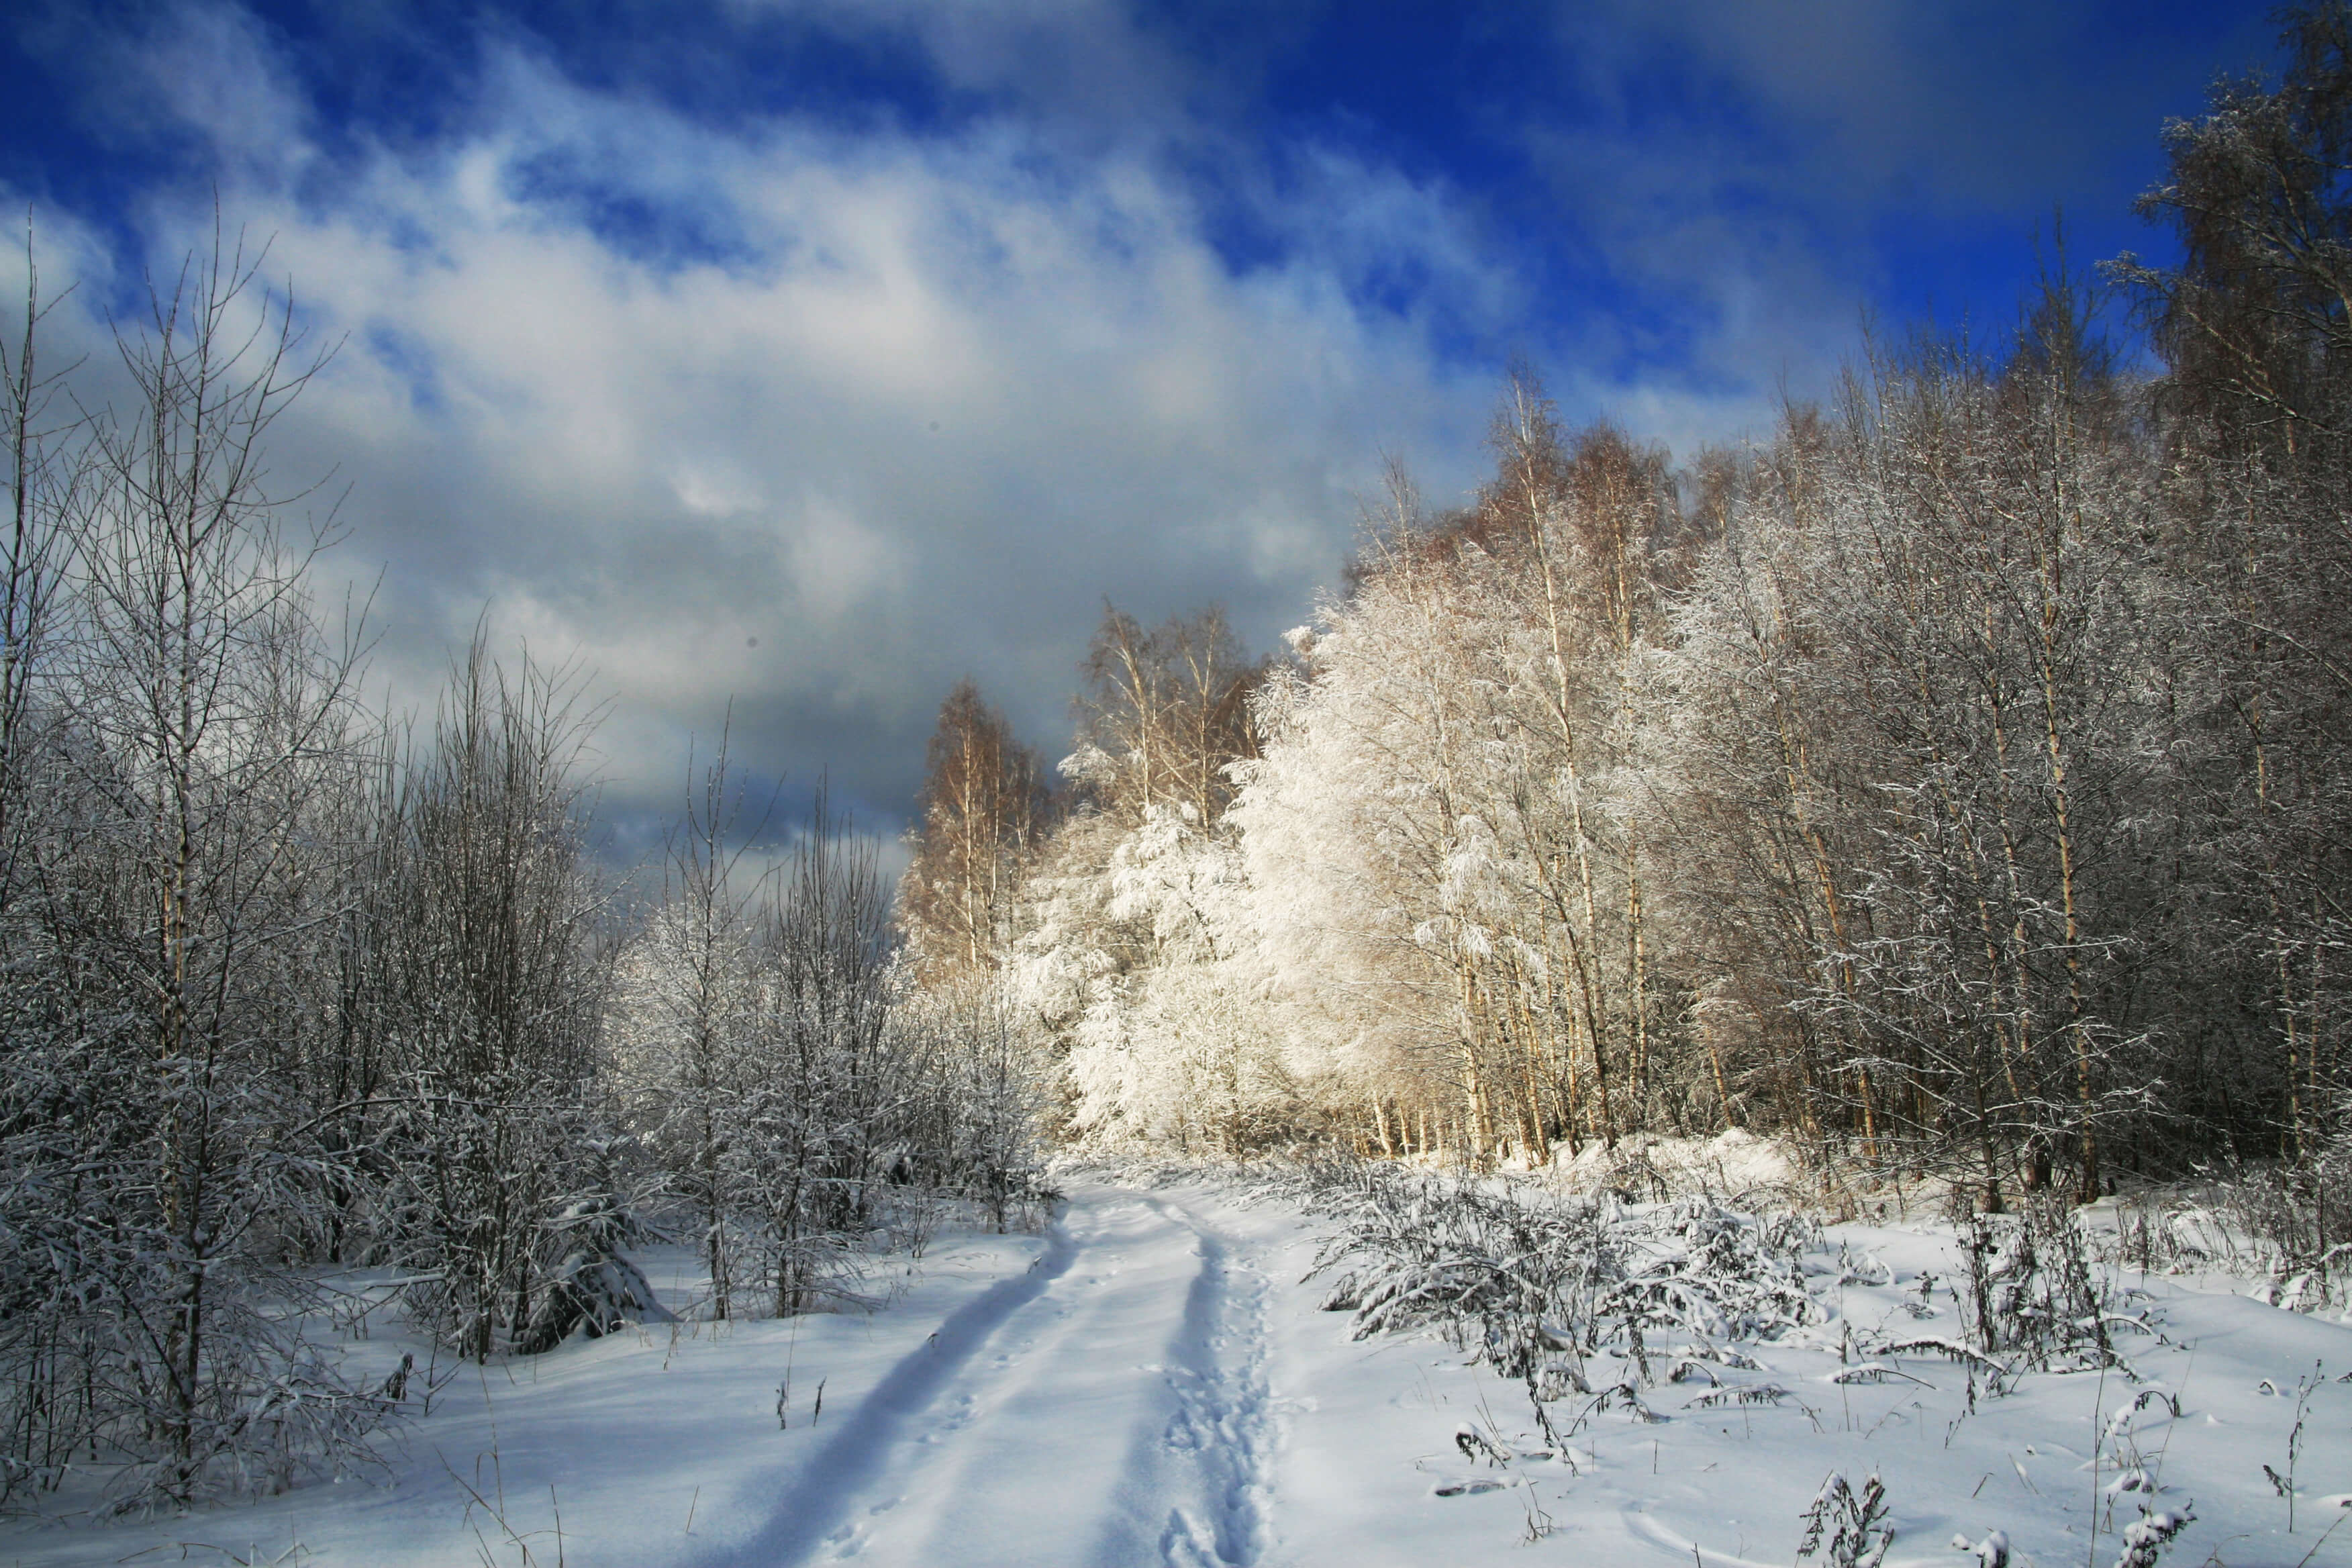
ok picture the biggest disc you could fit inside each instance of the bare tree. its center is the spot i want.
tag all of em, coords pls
(191, 716)
(496, 985)
(1165, 713)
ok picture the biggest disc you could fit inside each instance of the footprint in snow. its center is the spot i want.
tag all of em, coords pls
(1472, 1488)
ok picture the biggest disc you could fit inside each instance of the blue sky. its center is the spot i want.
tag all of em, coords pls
(810, 355)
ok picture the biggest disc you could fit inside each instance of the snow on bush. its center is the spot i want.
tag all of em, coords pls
(2146, 1538)
(1540, 1286)
(2030, 1285)
(2291, 1228)
(1854, 1523)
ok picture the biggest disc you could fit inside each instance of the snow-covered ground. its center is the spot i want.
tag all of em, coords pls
(1152, 1382)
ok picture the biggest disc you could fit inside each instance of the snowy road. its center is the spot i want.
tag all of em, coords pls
(1029, 1429)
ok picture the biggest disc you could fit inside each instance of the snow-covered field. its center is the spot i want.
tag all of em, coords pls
(1152, 1382)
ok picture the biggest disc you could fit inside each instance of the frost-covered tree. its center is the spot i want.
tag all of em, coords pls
(1132, 968)
(1467, 727)
(1163, 715)
(493, 984)
(795, 1086)
(1955, 780)
(2257, 427)
(1146, 968)
(1371, 869)
(179, 722)
(681, 1037)
(287, 985)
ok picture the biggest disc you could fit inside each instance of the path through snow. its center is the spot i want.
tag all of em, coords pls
(1027, 1430)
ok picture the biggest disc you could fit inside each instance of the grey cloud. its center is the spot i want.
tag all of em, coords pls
(944, 397)
(1990, 105)
(1727, 170)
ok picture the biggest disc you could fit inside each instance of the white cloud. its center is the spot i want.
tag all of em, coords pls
(920, 405)
(210, 71)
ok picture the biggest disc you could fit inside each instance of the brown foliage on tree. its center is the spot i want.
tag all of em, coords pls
(1165, 712)
(985, 809)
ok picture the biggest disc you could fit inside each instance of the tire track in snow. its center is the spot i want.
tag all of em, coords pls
(859, 1451)
(1110, 1407)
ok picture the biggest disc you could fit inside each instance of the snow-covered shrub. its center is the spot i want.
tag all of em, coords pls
(1990, 1549)
(1854, 1523)
(1539, 1284)
(98, 1376)
(2030, 1290)
(970, 1129)
(2145, 1541)
(2288, 1226)
(2146, 1538)
(472, 1198)
(2297, 1224)
(591, 1287)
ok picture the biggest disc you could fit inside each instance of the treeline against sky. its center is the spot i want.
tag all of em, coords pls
(308, 1010)
(1958, 780)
